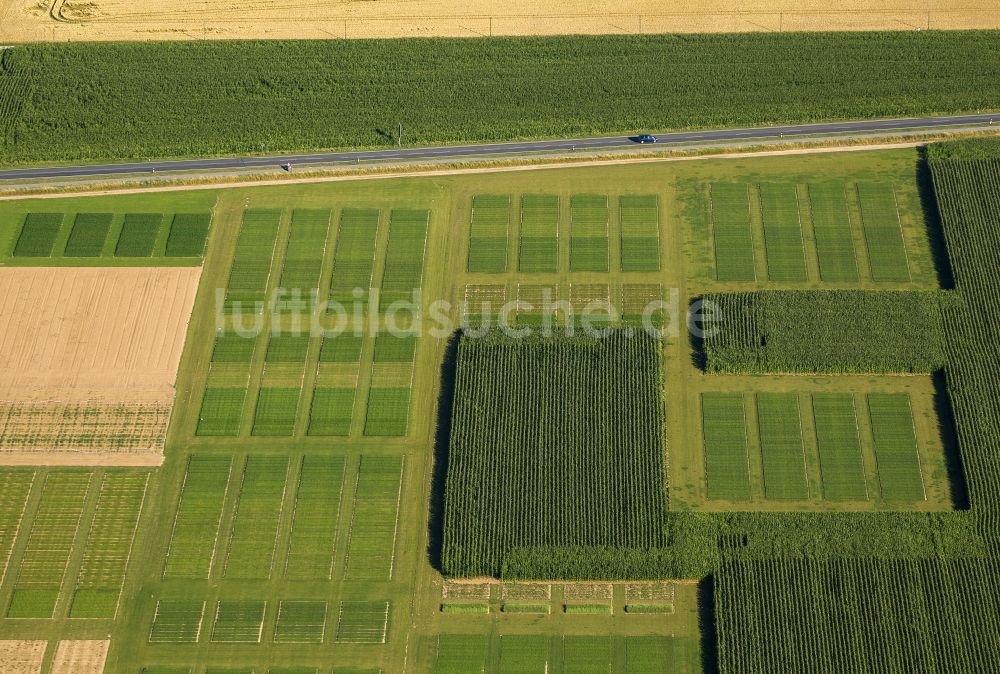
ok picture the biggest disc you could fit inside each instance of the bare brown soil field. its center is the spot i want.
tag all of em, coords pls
(88, 360)
(60, 20)
(20, 656)
(80, 657)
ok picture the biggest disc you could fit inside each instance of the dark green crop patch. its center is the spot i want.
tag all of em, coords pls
(134, 100)
(830, 331)
(555, 443)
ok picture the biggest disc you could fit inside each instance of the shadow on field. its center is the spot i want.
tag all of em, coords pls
(385, 135)
(932, 216)
(706, 625)
(949, 440)
(435, 522)
(695, 331)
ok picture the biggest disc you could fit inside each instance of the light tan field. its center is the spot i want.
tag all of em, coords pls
(20, 656)
(88, 360)
(60, 20)
(80, 657)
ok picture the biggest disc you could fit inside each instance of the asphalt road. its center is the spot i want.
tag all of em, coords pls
(459, 151)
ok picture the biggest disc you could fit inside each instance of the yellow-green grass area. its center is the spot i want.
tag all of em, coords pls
(813, 443)
(155, 229)
(221, 558)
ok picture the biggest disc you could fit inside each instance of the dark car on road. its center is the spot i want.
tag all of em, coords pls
(645, 138)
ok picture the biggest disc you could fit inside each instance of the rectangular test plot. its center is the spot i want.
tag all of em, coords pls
(138, 235)
(372, 543)
(587, 654)
(731, 228)
(588, 233)
(640, 235)
(258, 511)
(177, 621)
(354, 255)
(650, 654)
(781, 446)
(188, 232)
(782, 232)
(38, 235)
(275, 412)
(331, 411)
(301, 622)
(221, 411)
(86, 239)
(539, 245)
(363, 622)
(332, 406)
(524, 654)
(832, 229)
(883, 233)
(199, 511)
(841, 466)
(727, 470)
(314, 522)
(239, 621)
(304, 257)
(461, 653)
(388, 412)
(233, 348)
(252, 261)
(896, 454)
(404, 256)
(488, 233)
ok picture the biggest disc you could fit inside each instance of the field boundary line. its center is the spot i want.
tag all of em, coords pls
(861, 450)
(906, 253)
(395, 524)
(17, 530)
(916, 443)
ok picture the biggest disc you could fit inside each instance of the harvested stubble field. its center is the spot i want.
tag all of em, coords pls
(89, 357)
(21, 656)
(190, 20)
(80, 657)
